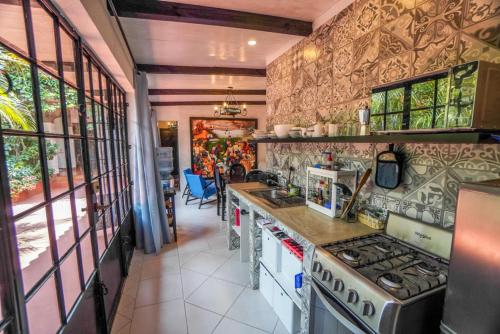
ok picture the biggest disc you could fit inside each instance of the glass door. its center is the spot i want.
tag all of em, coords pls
(65, 191)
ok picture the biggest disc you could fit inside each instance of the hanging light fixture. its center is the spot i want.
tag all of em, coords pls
(230, 107)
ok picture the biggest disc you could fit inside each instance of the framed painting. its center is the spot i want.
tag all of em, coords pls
(221, 141)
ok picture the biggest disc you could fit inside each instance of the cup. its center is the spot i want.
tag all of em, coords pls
(333, 130)
(318, 130)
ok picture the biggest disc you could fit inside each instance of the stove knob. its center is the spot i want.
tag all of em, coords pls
(317, 267)
(327, 276)
(352, 296)
(338, 285)
(368, 308)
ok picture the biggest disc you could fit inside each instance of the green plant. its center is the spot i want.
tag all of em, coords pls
(23, 161)
(17, 112)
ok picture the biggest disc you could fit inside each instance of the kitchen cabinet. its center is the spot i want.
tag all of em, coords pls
(285, 309)
(291, 266)
(266, 284)
(271, 251)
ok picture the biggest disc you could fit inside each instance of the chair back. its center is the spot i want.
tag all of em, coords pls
(196, 184)
(187, 171)
(237, 173)
(219, 182)
(255, 175)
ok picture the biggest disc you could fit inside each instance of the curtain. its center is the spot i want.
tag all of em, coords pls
(151, 222)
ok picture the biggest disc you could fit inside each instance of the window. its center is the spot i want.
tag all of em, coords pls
(443, 100)
(412, 105)
(59, 118)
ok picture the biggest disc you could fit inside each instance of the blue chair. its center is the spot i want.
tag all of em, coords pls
(200, 189)
(186, 172)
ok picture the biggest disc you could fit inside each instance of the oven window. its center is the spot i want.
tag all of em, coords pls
(323, 321)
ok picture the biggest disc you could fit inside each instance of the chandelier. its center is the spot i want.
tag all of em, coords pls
(230, 107)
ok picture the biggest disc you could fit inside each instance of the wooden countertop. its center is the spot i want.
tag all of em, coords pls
(315, 227)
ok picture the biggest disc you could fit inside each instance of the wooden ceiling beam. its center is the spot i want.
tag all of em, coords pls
(198, 70)
(180, 12)
(206, 91)
(202, 103)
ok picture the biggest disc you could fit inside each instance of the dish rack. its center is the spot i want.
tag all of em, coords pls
(321, 192)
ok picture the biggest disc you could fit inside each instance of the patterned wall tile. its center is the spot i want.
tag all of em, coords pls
(396, 37)
(396, 68)
(487, 31)
(366, 16)
(343, 27)
(393, 9)
(436, 34)
(436, 155)
(473, 49)
(330, 74)
(479, 10)
(480, 157)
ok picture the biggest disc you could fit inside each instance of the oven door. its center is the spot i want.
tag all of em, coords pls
(328, 316)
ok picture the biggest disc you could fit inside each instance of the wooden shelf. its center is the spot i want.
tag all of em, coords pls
(442, 137)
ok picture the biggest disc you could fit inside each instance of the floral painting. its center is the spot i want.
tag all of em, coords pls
(222, 141)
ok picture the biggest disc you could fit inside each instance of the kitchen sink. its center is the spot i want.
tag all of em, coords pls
(278, 198)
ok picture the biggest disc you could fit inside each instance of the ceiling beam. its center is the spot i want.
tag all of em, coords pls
(197, 70)
(203, 103)
(207, 91)
(179, 12)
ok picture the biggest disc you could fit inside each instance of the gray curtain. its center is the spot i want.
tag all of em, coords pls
(151, 222)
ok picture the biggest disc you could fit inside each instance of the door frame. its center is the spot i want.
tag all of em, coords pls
(11, 280)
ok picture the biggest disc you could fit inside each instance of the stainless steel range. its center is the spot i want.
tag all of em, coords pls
(393, 282)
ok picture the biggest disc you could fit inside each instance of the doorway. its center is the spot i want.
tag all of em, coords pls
(169, 140)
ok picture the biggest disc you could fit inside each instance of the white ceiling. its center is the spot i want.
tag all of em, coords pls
(184, 44)
(204, 98)
(172, 81)
(174, 43)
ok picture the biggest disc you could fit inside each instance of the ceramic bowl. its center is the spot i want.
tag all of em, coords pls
(282, 130)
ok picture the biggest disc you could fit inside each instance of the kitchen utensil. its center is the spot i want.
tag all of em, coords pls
(362, 182)
(389, 169)
(364, 115)
(282, 130)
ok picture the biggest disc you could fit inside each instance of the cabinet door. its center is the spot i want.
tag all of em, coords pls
(266, 284)
(286, 310)
(290, 266)
(271, 251)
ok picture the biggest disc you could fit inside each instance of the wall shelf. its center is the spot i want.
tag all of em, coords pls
(399, 138)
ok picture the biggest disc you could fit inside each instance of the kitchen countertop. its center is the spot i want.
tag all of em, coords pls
(315, 227)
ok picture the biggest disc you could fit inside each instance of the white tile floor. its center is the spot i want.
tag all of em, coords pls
(195, 286)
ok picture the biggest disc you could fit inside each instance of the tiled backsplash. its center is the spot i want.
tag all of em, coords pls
(431, 176)
(330, 74)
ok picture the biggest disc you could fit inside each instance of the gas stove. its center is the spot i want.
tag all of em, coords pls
(382, 279)
(400, 270)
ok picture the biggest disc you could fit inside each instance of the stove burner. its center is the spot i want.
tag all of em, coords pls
(383, 247)
(427, 269)
(391, 280)
(350, 255)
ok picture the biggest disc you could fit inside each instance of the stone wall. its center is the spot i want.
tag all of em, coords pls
(330, 74)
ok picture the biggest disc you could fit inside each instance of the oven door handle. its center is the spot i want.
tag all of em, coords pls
(334, 310)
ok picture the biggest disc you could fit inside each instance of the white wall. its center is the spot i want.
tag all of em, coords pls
(183, 113)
